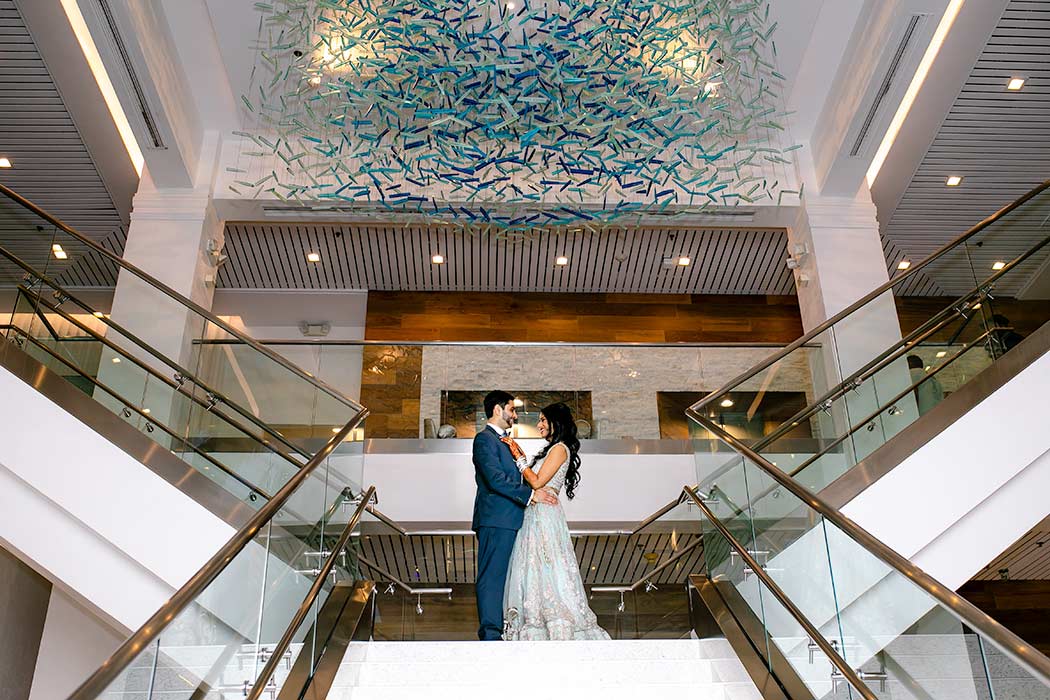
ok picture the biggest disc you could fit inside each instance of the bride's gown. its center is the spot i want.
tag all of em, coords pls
(544, 597)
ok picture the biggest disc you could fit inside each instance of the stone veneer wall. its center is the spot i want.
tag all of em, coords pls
(623, 381)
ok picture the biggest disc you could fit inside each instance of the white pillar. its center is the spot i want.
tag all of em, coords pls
(837, 243)
(169, 240)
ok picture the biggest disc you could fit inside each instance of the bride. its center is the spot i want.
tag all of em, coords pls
(544, 597)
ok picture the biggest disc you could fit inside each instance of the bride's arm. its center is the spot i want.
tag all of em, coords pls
(551, 463)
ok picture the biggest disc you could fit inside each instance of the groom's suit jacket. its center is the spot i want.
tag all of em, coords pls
(502, 493)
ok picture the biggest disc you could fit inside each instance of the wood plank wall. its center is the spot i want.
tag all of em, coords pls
(1023, 607)
(658, 318)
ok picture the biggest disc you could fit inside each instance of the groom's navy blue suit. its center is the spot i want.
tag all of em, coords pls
(499, 508)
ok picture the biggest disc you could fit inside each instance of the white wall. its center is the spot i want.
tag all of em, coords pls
(75, 643)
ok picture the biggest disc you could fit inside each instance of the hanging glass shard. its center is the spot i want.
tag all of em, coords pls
(517, 116)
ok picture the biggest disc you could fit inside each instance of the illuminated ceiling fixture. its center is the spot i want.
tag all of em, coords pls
(726, 403)
(57, 251)
(684, 261)
(518, 403)
(998, 265)
(942, 353)
(116, 360)
(109, 94)
(903, 265)
(438, 259)
(950, 13)
(313, 257)
(1015, 84)
(953, 181)
(5, 163)
(561, 261)
(99, 314)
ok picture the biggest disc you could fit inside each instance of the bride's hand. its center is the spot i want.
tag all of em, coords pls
(544, 496)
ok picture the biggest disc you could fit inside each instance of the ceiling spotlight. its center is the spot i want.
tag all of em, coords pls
(5, 163)
(335, 430)
(726, 403)
(903, 264)
(116, 360)
(146, 411)
(561, 261)
(98, 314)
(57, 251)
(518, 403)
(998, 265)
(438, 259)
(953, 181)
(683, 261)
(315, 81)
(1015, 84)
(511, 6)
(313, 257)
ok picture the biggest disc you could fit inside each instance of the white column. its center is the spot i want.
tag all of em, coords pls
(168, 240)
(836, 241)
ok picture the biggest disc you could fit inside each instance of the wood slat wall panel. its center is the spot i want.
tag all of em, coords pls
(398, 258)
(52, 166)
(465, 316)
(999, 141)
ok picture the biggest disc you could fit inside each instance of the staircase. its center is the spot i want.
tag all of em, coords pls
(613, 670)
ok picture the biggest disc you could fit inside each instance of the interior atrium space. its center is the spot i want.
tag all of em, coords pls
(376, 350)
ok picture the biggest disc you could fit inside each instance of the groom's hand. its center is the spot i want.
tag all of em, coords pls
(544, 496)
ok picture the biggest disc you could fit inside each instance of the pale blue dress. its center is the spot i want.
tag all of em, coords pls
(544, 598)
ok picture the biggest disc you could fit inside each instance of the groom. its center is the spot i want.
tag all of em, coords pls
(499, 508)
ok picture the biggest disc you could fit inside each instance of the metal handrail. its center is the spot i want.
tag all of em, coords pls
(489, 343)
(285, 642)
(97, 683)
(1007, 642)
(96, 337)
(399, 583)
(932, 325)
(863, 301)
(182, 371)
(188, 303)
(626, 589)
(129, 405)
(811, 630)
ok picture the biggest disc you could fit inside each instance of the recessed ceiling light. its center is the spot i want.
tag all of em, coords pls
(977, 305)
(561, 261)
(942, 353)
(903, 264)
(438, 259)
(953, 181)
(726, 403)
(57, 251)
(98, 314)
(146, 411)
(315, 81)
(313, 257)
(511, 5)
(998, 265)
(335, 430)
(1015, 84)
(116, 360)
(5, 163)
(684, 260)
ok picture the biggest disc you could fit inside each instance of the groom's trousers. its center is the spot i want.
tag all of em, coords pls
(495, 545)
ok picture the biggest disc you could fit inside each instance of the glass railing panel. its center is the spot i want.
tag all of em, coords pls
(967, 298)
(889, 629)
(222, 640)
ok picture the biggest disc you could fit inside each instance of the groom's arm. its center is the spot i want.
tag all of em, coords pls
(486, 460)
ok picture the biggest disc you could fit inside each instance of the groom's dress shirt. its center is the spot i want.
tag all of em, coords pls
(500, 432)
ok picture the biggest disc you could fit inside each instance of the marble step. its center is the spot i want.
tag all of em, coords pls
(494, 652)
(683, 691)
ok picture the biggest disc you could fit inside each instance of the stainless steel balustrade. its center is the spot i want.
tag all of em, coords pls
(178, 298)
(285, 642)
(866, 299)
(149, 632)
(815, 636)
(1005, 640)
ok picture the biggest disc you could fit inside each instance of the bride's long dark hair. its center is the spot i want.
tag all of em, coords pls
(563, 430)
